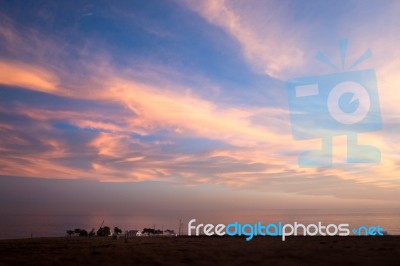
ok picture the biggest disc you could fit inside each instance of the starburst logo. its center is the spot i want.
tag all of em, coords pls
(342, 103)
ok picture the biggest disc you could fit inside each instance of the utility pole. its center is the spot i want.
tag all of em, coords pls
(101, 224)
(180, 231)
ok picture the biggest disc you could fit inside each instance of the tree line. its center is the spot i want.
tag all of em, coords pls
(102, 231)
(106, 231)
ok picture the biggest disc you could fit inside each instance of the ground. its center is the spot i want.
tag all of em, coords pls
(202, 251)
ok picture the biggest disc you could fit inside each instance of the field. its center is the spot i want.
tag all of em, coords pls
(202, 251)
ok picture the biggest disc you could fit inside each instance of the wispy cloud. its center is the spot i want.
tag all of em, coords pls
(268, 42)
(27, 76)
(111, 121)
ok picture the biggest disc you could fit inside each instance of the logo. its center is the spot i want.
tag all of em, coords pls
(342, 103)
(280, 229)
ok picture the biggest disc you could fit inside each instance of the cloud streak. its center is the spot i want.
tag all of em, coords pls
(93, 117)
(27, 76)
(268, 44)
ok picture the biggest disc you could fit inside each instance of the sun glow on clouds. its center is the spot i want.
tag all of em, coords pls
(122, 123)
(193, 115)
(27, 76)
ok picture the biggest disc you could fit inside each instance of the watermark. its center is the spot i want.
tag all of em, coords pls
(343, 103)
(280, 229)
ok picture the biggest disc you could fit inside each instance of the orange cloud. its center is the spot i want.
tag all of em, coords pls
(267, 150)
(189, 114)
(27, 76)
(156, 108)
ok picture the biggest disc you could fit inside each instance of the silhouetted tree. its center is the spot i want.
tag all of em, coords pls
(83, 232)
(171, 232)
(117, 231)
(70, 232)
(92, 233)
(104, 231)
(80, 232)
(151, 231)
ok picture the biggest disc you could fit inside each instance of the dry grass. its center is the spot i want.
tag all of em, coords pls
(202, 251)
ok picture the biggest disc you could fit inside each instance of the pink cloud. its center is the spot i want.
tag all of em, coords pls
(27, 76)
(257, 153)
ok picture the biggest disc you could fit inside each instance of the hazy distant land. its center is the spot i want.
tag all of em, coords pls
(202, 251)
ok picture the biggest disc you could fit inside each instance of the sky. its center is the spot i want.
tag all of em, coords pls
(182, 105)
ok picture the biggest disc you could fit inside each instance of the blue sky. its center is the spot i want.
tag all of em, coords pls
(189, 94)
